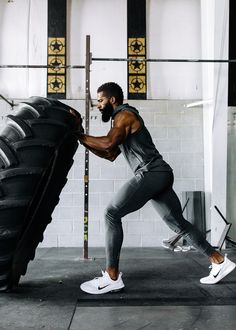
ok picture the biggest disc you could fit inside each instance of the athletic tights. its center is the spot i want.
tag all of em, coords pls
(145, 186)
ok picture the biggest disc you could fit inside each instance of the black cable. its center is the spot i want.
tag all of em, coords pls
(73, 314)
(12, 104)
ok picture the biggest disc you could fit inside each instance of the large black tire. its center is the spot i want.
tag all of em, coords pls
(36, 152)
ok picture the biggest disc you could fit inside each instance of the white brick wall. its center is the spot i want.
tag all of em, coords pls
(177, 133)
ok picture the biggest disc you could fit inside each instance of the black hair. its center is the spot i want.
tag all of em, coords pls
(112, 89)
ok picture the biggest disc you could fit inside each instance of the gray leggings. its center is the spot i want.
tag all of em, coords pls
(157, 187)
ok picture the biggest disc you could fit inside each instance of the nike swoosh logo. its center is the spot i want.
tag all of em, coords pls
(217, 274)
(100, 288)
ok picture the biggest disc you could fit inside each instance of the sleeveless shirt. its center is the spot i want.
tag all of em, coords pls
(139, 149)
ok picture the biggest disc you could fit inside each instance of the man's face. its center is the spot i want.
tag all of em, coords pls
(105, 107)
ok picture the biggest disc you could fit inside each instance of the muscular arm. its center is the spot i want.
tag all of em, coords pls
(109, 156)
(107, 146)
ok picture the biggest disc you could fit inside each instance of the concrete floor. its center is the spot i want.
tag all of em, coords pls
(162, 292)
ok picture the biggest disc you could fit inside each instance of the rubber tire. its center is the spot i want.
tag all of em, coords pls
(36, 153)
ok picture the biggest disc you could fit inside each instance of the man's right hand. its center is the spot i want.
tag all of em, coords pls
(79, 121)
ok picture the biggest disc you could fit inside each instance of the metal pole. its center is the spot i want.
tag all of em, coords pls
(32, 66)
(171, 60)
(86, 171)
(116, 59)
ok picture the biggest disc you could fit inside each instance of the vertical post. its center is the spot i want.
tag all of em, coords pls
(56, 77)
(86, 171)
(215, 17)
(136, 32)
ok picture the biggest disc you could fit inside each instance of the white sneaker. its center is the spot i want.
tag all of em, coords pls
(218, 271)
(103, 284)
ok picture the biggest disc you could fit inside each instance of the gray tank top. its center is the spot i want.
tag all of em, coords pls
(139, 149)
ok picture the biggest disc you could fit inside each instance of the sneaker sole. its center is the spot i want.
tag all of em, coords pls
(105, 290)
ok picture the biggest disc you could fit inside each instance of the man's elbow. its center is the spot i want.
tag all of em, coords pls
(112, 154)
(112, 159)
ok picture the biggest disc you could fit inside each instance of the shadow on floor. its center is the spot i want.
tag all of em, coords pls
(156, 280)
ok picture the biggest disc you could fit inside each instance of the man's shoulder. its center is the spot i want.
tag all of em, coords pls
(126, 113)
(125, 117)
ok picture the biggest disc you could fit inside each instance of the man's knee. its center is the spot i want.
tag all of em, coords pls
(111, 214)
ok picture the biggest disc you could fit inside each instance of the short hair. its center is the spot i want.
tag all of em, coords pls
(112, 89)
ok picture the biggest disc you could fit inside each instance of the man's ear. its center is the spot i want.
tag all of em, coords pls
(113, 100)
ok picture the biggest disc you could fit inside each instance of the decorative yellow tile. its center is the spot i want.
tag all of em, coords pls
(137, 66)
(56, 84)
(136, 46)
(56, 46)
(137, 84)
(56, 61)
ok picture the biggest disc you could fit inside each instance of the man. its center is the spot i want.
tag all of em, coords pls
(152, 180)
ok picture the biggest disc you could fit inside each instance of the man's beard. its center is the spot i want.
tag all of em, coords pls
(107, 113)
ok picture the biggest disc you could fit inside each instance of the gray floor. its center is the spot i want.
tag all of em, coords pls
(162, 292)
